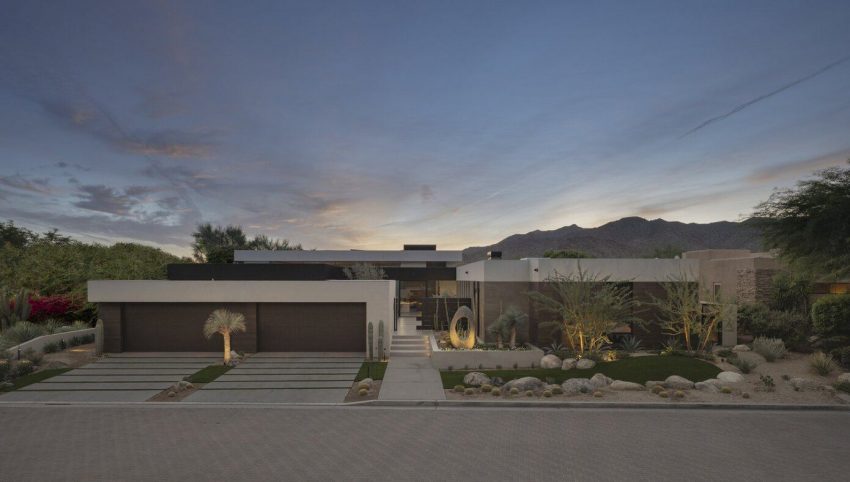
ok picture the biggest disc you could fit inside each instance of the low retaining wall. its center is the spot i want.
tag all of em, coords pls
(459, 359)
(37, 344)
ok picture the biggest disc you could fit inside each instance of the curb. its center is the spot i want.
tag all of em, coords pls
(596, 405)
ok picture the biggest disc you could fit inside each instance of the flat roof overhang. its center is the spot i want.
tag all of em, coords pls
(348, 256)
(295, 272)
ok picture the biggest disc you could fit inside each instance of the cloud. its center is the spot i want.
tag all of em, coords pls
(33, 185)
(677, 203)
(766, 96)
(426, 193)
(799, 167)
(104, 199)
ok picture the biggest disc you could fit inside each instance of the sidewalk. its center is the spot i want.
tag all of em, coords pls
(411, 378)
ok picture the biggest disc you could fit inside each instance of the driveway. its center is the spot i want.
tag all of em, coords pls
(285, 378)
(120, 377)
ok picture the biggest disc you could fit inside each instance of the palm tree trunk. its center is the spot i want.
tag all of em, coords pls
(513, 337)
(226, 336)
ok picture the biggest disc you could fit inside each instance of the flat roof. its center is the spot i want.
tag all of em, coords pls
(618, 269)
(348, 256)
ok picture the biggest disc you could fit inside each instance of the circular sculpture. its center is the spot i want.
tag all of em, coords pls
(467, 341)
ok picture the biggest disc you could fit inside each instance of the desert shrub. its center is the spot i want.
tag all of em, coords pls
(726, 390)
(529, 393)
(673, 346)
(831, 315)
(679, 394)
(822, 363)
(459, 388)
(770, 348)
(496, 392)
(34, 356)
(843, 387)
(53, 306)
(663, 394)
(22, 331)
(745, 395)
(514, 391)
(842, 355)
(469, 391)
(758, 320)
(547, 393)
(598, 394)
(767, 382)
(486, 388)
(557, 390)
(630, 344)
(5, 369)
(743, 364)
(23, 367)
(363, 392)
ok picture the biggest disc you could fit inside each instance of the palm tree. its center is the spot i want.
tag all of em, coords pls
(224, 322)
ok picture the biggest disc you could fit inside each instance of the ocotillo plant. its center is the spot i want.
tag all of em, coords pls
(381, 339)
(369, 331)
(14, 310)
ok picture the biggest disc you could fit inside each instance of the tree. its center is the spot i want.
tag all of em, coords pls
(683, 314)
(810, 225)
(364, 271)
(589, 307)
(215, 244)
(790, 292)
(565, 253)
(507, 325)
(224, 322)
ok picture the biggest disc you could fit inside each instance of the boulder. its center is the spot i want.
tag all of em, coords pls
(628, 386)
(523, 384)
(803, 384)
(476, 379)
(706, 387)
(585, 364)
(574, 386)
(550, 361)
(678, 383)
(730, 377)
(713, 381)
(740, 348)
(650, 384)
(600, 381)
(568, 364)
(365, 383)
(844, 378)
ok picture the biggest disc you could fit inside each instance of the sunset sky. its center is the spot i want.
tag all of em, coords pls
(360, 124)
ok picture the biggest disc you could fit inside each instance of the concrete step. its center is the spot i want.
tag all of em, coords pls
(410, 354)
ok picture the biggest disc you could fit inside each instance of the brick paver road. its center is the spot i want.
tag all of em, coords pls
(156, 442)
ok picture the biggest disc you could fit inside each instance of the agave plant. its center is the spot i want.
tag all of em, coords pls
(630, 344)
(224, 322)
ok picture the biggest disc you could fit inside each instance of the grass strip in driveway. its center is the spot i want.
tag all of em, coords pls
(36, 377)
(208, 374)
(638, 370)
(372, 369)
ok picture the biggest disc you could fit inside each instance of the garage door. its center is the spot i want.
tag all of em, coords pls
(168, 327)
(311, 327)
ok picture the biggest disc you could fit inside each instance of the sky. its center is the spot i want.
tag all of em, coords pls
(361, 124)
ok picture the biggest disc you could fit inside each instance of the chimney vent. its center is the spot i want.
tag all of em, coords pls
(494, 255)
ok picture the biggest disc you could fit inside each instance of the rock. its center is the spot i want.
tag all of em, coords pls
(550, 361)
(650, 384)
(730, 377)
(628, 386)
(365, 383)
(600, 381)
(524, 384)
(844, 378)
(585, 364)
(176, 388)
(713, 381)
(678, 383)
(706, 387)
(172, 394)
(803, 384)
(739, 348)
(185, 384)
(476, 379)
(497, 381)
(568, 364)
(234, 355)
(574, 386)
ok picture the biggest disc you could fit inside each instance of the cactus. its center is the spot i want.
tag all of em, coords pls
(381, 340)
(371, 342)
(98, 338)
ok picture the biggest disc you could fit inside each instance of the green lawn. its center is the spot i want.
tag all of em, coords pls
(639, 370)
(208, 374)
(374, 370)
(35, 378)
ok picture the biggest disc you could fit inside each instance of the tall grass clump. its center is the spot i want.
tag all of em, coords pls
(771, 349)
(822, 363)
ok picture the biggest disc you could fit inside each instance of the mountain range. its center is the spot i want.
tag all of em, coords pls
(631, 237)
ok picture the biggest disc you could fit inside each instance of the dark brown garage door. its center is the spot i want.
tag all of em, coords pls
(169, 327)
(311, 327)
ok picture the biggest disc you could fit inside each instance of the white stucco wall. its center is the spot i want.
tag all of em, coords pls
(38, 344)
(378, 295)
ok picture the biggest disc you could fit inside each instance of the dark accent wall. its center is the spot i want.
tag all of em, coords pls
(294, 272)
(435, 309)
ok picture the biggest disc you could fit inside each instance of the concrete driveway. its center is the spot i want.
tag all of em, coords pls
(120, 377)
(285, 378)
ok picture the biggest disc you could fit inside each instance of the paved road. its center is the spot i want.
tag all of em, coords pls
(186, 443)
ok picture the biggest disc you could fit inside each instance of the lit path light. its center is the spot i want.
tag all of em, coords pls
(468, 341)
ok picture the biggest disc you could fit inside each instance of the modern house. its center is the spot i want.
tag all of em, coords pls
(303, 300)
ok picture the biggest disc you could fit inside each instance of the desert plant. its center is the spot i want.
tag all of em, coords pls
(507, 325)
(842, 355)
(381, 353)
(767, 382)
(672, 347)
(831, 315)
(371, 339)
(726, 390)
(683, 313)
(598, 394)
(486, 388)
(679, 394)
(5, 369)
(588, 306)
(547, 393)
(224, 322)
(822, 363)
(745, 365)
(771, 349)
(363, 392)
(554, 348)
(51, 347)
(630, 344)
(34, 356)
(22, 331)
(843, 387)
(23, 367)
(14, 308)
(469, 391)
(745, 395)
(459, 388)
(496, 392)
(664, 394)
(657, 389)
(529, 393)
(557, 390)
(514, 391)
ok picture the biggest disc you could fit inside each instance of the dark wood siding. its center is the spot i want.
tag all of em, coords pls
(312, 326)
